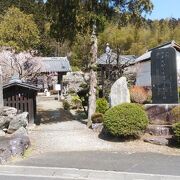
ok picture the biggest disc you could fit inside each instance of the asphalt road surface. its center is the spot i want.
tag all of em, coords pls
(45, 173)
(15, 177)
(148, 163)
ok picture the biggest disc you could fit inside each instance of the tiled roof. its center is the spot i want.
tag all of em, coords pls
(55, 64)
(17, 83)
(104, 59)
(147, 55)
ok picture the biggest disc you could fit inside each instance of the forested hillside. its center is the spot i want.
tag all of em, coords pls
(63, 28)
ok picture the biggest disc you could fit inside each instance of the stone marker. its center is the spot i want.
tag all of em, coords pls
(164, 76)
(119, 92)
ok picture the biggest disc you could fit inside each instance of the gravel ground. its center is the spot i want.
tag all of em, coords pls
(58, 132)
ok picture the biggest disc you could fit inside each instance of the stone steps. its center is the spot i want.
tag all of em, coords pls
(159, 134)
(159, 130)
(158, 140)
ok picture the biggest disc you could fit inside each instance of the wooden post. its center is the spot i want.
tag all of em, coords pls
(93, 77)
(1, 89)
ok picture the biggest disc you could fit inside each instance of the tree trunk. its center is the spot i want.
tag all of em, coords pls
(1, 89)
(93, 78)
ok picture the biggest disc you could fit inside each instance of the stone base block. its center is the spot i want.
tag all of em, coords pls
(159, 130)
(158, 140)
(160, 114)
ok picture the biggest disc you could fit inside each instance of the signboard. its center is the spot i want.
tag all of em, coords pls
(164, 76)
(57, 87)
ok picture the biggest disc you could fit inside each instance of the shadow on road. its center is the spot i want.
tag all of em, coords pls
(50, 111)
(53, 116)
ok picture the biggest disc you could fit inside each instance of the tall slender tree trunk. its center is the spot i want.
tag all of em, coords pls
(1, 89)
(93, 78)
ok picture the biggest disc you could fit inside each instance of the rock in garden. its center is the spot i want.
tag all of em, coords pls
(20, 120)
(18, 145)
(14, 145)
(8, 111)
(20, 132)
(5, 152)
(119, 92)
(2, 133)
(157, 140)
(4, 121)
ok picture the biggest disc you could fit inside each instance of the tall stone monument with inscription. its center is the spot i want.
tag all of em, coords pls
(164, 83)
(164, 76)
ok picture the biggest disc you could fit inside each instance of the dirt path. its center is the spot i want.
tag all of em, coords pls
(58, 132)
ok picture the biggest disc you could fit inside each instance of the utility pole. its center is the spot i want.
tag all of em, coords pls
(93, 77)
(1, 90)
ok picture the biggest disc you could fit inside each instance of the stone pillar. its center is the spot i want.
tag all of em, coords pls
(1, 89)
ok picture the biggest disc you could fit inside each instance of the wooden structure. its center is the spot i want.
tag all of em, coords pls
(21, 96)
(52, 71)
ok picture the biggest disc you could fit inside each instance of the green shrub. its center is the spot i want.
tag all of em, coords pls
(97, 118)
(127, 119)
(176, 131)
(75, 68)
(76, 101)
(176, 113)
(66, 105)
(102, 105)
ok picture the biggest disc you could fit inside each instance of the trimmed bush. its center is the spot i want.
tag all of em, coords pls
(102, 105)
(66, 105)
(176, 113)
(97, 118)
(127, 119)
(176, 131)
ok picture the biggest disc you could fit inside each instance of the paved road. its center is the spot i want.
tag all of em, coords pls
(15, 177)
(149, 163)
(45, 173)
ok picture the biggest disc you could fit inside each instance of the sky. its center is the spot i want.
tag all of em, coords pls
(165, 9)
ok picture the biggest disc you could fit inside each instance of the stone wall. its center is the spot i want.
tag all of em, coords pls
(14, 138)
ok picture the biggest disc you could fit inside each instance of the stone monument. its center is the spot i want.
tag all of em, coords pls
(119, 92)
(164, 76)
(164, 91)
